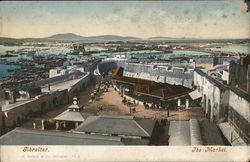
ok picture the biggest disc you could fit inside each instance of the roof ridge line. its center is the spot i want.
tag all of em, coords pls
(67, 134)
(141, 127)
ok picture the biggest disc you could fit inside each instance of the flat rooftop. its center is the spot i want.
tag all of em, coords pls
(57, 86)
(204, 67)
(67, 84)
(61, 86)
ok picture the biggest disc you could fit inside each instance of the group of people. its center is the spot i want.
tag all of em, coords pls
(130, 104)
(155, 105)
(158, 106)
(103, 87)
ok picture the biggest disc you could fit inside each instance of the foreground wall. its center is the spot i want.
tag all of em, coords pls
(214, 96)
(222, 103)
(17, 113)
(79, 86)
(239, 114)
(240, 76)
(36, 106)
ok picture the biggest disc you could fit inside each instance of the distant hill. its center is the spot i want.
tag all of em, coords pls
(165, 38)
(111, 37)
(72, 36)
(14, 41)
(66, 36)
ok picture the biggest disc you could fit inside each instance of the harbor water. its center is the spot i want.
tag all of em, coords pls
(51, 52)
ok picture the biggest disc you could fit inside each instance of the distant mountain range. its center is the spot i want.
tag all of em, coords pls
(72, 36)
(66, 36)
(104, 38)
(170, 38)
(162, 38)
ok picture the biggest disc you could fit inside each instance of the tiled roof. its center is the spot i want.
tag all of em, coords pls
(72, 116)
(23, 136)
(119, 125)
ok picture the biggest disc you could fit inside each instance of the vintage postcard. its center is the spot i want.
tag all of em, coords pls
(125, 80)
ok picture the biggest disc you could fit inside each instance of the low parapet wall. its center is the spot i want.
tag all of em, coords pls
(53, 80)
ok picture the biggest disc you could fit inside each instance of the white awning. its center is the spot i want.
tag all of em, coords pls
(184, 133)
(231, 135)
(179, 132)
(195, 94)
(195, 135)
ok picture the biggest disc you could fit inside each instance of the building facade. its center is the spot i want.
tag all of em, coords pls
(222, 103)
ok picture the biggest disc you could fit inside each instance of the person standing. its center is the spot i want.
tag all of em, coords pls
(167, 107)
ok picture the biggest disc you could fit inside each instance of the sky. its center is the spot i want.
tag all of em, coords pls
(144, 19)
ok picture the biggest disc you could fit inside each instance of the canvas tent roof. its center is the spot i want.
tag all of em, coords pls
(195, 94)
(227, 131)
(184, 133)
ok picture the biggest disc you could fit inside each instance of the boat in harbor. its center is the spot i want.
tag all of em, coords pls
(8, 55)
(12, 70)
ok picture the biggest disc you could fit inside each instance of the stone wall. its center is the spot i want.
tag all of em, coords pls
(52, 81)
(214, 60)
(213, 95)
(19, 112)
(239, 115)
(165, 74)
(222, 103)
(43, 103)
(79, 86)
(223, 59)
(239, 104)
(204, 60)
(36, 106)
(92, 66)
(107, 66)
(158, 73)
(1, 122)
(239, 76)
(2, 94)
